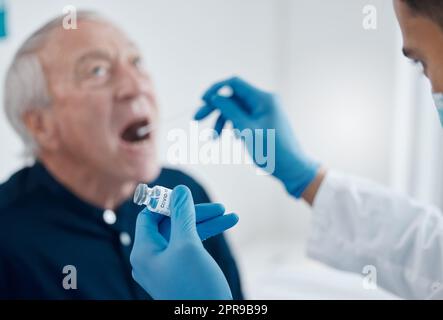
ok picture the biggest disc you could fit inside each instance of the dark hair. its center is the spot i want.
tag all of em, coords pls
(432, 9)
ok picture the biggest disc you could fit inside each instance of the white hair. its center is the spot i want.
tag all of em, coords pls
(26, 86)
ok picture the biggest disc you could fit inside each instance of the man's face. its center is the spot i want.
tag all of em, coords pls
(101, 97)
(423, 42)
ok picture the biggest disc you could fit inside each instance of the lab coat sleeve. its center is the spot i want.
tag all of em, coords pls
(357, 223)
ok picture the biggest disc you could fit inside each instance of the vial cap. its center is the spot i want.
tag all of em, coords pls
(226, 91)
(141, 194)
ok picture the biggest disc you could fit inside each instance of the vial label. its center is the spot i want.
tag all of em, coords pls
(156, 199)
(164, 198)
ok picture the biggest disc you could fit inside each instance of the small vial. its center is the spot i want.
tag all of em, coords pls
(156, 199)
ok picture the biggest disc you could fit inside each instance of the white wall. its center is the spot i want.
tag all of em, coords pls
(340, 87)
(336, 80)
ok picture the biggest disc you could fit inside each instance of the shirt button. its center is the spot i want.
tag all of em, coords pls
(109, 217)
(125, 239)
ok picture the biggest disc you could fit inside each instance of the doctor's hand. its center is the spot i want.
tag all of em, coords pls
(173, 264)
(251, 108)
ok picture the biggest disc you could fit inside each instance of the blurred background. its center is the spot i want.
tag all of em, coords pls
(356, 103)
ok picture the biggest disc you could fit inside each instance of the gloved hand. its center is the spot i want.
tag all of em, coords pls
(210, 219)
(251, 108)
(179, 268)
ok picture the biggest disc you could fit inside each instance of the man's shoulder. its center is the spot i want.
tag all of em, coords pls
(15, 204)
(13, 189)
(170, 178)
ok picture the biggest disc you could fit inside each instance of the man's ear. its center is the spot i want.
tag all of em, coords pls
(42, 126)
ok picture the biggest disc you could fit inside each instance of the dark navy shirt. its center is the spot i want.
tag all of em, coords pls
(44, 227)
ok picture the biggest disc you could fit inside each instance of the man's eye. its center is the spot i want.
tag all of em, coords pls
(99, 71)
(137, 62)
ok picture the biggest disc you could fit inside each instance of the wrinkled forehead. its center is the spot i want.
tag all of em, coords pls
(66, 46)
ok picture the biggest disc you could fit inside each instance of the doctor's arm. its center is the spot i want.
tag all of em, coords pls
(355, 223)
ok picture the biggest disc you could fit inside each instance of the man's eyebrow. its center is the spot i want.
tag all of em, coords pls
(132, 44)
(133, 48)
(97, 54)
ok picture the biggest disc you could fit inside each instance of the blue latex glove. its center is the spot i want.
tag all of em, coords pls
(179, 268)
(251, 108)
(210, 219)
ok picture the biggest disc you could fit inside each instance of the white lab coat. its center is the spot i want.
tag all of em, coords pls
(357, 223)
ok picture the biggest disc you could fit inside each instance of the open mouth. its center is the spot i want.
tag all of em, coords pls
(137, 132)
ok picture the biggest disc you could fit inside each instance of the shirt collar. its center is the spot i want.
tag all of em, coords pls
(40, 177)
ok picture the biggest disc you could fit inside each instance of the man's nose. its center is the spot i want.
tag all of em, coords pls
(130, 83)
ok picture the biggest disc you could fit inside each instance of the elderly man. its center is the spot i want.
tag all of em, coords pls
(77, 99)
